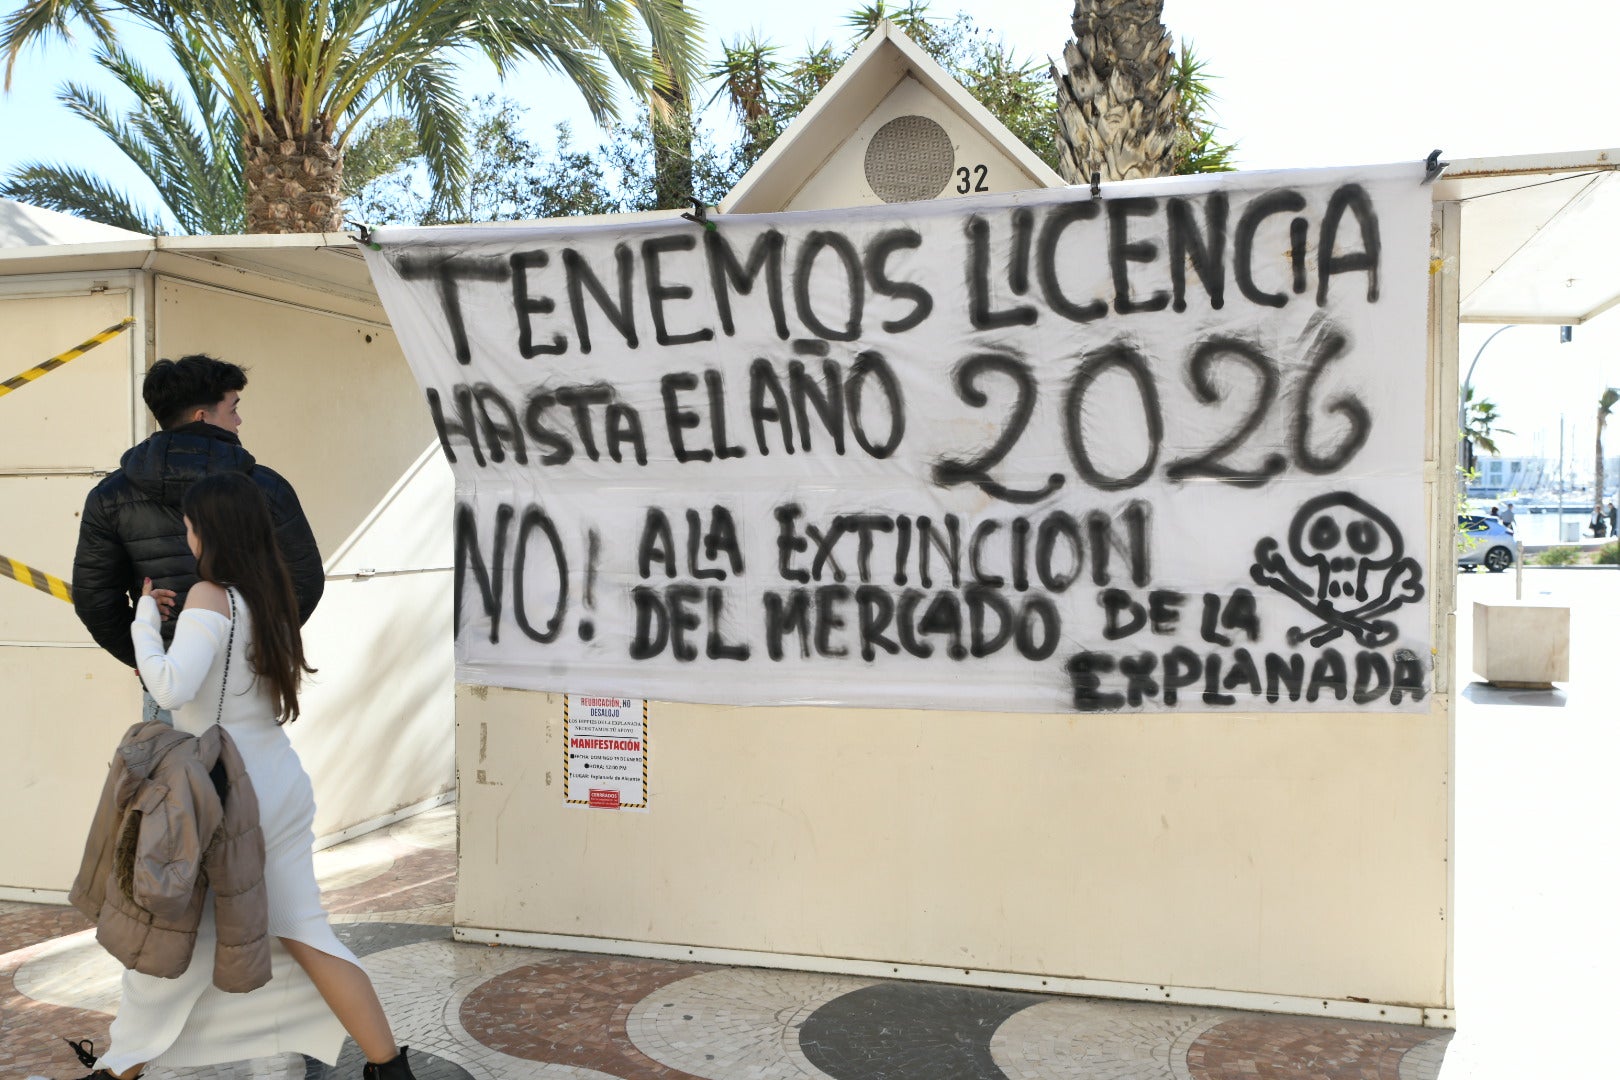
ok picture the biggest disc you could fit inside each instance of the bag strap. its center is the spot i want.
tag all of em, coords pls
(225, 678)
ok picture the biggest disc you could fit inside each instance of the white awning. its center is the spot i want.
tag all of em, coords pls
(1539, 236)
(23, 225)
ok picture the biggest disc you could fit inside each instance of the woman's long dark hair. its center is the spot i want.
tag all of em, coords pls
(232, 522)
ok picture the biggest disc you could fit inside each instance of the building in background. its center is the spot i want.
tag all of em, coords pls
(1510, 476)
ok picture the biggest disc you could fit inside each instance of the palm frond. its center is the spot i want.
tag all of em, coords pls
(676, 36)
(74, 191)
(91, 106)
(379, 147)
(589, 76)
(1199, 148)
(311, 71)
(36, 21)
(749, 75)
(437, 112)
(912, 18)
(367, 44)
(584, 43)
(187, 52)
(177, 160)
(196, 145)
(192, 162)
(220, 133)
(225, 41)
(1482, 422)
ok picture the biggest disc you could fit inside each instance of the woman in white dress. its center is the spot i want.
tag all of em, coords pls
(237, 656)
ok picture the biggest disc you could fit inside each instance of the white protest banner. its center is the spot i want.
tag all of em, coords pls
(1161, 449)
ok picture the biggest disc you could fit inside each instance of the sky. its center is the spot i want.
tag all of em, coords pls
(1309, 83)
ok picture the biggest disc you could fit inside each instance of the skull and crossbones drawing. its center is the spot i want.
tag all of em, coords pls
(1346, 565)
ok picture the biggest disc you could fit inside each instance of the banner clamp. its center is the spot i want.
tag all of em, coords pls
(364, 239)
(1433, 167)
(699, 214)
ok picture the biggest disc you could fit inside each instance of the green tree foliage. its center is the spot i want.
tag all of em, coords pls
(513, 178)
(1559, 556)
(186, 144)
(750, 77)
(1482, 422)
(509, 178)
(761, 90)
(381, 146)
(671, 123)
(302, 77)
(1015, 89)
(629, 153)
(177, 134)
(1199, 148)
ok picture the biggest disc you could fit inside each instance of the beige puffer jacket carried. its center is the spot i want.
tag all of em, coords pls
(161, 840)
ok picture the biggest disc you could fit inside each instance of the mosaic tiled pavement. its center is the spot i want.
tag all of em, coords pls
(473, 1011)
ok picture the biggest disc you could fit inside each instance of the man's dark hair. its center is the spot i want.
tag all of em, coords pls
(175, 387)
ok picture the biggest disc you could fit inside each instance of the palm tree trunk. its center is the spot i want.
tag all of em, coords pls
(749, 74)
(1117, 99)
(292, 185)
(1597, 469)
(672, 141)
(1606, 403)
(672, 153)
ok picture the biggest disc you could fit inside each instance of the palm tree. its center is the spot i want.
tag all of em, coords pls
(301, 77)
(1481, 423)
(1198, 147)
(765, 93)
(1605, 403)
(188, 147)
(808, 75)
(179, 136)
(750, 77)
(671, 115)
(1118, 104)
(912, 18)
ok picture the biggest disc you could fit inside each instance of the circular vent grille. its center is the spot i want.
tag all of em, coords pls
(910, 158)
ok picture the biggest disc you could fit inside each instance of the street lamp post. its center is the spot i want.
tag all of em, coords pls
(1462, 392)
(1564, 335)
(1464, 443)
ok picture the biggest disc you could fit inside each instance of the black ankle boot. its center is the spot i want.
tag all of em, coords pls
(398, 1069)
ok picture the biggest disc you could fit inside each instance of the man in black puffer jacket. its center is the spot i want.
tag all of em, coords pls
(132, 528)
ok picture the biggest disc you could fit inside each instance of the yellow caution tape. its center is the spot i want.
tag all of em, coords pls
(18, 381)
(39, 579)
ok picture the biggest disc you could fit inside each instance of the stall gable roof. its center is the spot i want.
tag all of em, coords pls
(1539, 235)
(885, 58)
(23, 225)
